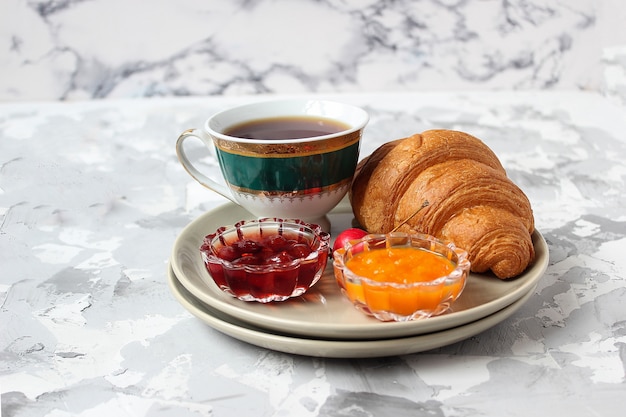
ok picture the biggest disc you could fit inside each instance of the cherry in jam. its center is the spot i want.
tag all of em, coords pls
(273, 249)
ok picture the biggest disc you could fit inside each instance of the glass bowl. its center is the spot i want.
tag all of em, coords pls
(266, 260)
(401, 276)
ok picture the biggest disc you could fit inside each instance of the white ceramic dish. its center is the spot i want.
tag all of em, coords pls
(329, 348)
(323, 311)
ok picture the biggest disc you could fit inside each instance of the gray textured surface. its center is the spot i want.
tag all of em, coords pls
(92, 198)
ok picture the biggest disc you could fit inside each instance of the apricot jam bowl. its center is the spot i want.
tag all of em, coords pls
(266, 260)
(400, 276)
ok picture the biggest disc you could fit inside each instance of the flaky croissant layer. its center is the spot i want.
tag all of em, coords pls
(471, 201)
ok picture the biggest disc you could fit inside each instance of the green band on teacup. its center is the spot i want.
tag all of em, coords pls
(300, 174)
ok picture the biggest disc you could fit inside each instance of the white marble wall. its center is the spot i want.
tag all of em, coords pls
(92, 49)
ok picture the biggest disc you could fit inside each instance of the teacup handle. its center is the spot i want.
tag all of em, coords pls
(192, 170)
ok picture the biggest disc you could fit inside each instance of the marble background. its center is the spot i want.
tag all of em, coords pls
(94, 49)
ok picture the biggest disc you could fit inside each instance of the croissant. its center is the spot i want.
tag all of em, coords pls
(471, 201)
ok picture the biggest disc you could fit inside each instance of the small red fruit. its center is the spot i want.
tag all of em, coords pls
(348, 235)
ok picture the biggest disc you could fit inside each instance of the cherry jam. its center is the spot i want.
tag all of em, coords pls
(266, 260)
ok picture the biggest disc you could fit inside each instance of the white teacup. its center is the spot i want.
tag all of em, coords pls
(285, 158)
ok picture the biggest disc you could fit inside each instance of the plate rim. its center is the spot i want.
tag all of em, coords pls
(335, 348)
(345, 331)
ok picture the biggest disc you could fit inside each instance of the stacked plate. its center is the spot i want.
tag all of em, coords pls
(322, 322)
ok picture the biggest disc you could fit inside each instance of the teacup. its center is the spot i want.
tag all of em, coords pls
(284, 158)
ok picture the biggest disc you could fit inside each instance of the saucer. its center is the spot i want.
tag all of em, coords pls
(334, 348)
(323, 312)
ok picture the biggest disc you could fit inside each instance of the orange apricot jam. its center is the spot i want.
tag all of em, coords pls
(401, 267)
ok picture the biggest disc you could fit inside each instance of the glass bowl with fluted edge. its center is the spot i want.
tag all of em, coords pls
(401, 276)
(266, 260)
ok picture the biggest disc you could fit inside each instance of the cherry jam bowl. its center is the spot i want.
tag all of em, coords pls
(400, 276)
(266, 260)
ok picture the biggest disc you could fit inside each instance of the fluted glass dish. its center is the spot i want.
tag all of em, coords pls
(393, 296)
(266, 260)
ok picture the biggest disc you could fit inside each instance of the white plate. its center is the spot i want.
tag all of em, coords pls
(323, 311)
(327, 348)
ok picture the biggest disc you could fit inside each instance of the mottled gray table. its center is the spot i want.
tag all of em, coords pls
(92, 199)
